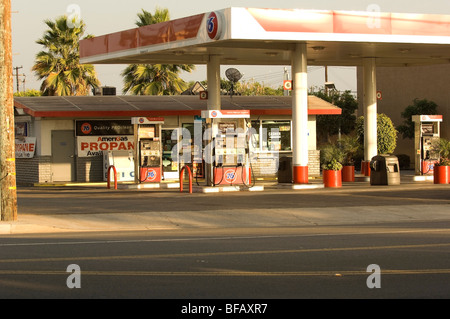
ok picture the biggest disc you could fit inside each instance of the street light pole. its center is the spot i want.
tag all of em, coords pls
(7, 146)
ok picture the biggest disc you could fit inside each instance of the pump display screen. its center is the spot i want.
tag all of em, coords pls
(147, 131)
(227, 127)
(428, 129)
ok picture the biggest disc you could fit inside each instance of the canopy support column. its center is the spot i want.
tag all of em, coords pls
(214, 103)
(370, 109)
(300, 114)
(213, 78)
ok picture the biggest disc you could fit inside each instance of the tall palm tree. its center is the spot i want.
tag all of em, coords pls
(58, 65)
(147, 18)
(154, 79)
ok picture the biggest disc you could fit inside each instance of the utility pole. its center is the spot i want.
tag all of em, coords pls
(17, 68)
(8, 193)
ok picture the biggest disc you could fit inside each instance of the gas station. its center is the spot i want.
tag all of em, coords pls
(136, 130)
(253, 36)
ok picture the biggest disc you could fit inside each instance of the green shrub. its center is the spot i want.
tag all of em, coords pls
(386, 133)
(331, 157)
(443, 147)
(350, 147)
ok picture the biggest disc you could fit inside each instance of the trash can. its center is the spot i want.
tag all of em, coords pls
(285, 169)
(385, 170)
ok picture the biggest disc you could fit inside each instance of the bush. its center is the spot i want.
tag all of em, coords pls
(386, 133)
(443, 147)
(334, 165)
(350, 147)
(331, 157)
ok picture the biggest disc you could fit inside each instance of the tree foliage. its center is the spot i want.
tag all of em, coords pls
(243, 88)
(28, 93)
(154, 79)
(419, 107)
(329, 125)
(256, 88)
(148, 18)
(58, 65)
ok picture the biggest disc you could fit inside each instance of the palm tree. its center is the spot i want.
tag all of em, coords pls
(59, 64)
(146, 18)
(154, 79)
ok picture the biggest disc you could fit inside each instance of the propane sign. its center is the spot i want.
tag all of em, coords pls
(95, 145)
(25, 147)
(97, 136)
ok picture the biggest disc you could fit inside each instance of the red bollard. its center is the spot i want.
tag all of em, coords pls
(190, 179)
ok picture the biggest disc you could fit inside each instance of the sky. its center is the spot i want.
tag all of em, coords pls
(107, 16)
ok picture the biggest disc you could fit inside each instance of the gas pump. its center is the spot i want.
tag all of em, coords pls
(229, 163)
(148, 153)
(426, 133)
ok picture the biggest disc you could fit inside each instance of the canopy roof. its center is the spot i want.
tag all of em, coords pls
(250, 36)
(130, 106)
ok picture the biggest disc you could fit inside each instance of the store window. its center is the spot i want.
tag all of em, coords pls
(276, 136)
(192, 139)
(170, 166)
(271, 136)
(254, 137)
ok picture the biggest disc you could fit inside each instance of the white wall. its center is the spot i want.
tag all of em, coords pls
(43, 129)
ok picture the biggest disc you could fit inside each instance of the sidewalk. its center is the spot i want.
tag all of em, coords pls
(95, 208)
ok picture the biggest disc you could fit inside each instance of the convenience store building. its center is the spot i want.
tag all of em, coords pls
(66, 139)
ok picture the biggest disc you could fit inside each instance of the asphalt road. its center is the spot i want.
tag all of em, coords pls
(47, 209)
(62, 201)
(234, 263)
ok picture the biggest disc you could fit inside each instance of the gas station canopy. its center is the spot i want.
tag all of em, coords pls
(130, 106)
(251, 36)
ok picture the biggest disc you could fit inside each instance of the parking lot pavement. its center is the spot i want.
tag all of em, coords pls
(94, 208)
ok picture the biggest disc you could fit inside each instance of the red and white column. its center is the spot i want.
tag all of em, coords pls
(214, 103)
(300, 114)
(370, 111)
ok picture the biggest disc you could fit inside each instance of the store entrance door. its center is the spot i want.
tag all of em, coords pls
(63, 156)
(170, 166)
